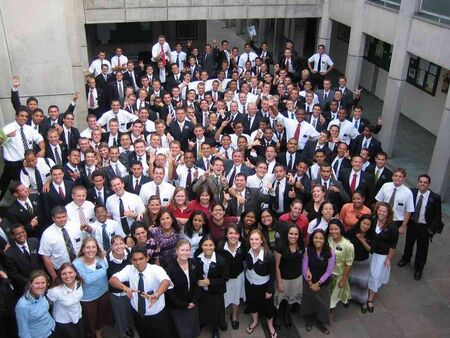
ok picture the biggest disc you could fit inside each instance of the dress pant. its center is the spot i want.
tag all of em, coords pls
(154, 326)
(417, 232)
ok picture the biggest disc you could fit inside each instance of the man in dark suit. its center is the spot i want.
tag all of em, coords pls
(265, 141)
(38, 122)
(103, 79)
(54, 148)
(73, 168)
(339, 160)
(181, 129)
(245, 199)
(334, 190)
(262, 52)
(321, 143)
(345, 96)
(132, 76)
(366, 141)
(291, 157)
(96, 98)
(21, 258)
(381, 174)
(326, 94)
(69, 135)
(235, 166)
(215, 93)
(116, 89)
(26, 210)
(135, 181)
(209, 63)
(355, 179)
(361, 122)
(290, 64)
(98, 192)
(316, 119)
(174, 79)
(423, 224)
(284, 192)
(59, 192)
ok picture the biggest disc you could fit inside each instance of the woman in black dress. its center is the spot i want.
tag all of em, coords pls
(288, 269)
(182, 299)
(317, 269)
(259, 281)
(215, 274)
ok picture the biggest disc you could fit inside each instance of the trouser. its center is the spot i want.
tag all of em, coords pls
(156, 325)
(417, 232)
(11, 172)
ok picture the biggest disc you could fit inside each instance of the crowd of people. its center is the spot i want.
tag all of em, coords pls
(206, 182)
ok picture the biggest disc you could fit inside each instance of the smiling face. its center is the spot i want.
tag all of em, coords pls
(166, 221)
(256, 241)
(365, 225)
(184, 251)
(19, 234)
(38, 286)
(335, 231)
(68, 276)
(141, 235)
(90, 249)
(208, 247)
(293, 235)
(318, 240)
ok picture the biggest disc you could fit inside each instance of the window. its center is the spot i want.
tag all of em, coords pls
(437, 10)
(392, 4)
(378, 52)
(423, 74)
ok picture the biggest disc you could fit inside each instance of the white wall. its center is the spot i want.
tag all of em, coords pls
(424, 109)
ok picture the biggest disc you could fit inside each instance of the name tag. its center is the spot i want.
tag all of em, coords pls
(400, 204)
(305, 136)
(345, 135)
(77, 239)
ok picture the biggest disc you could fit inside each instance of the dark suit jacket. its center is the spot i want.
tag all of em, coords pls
(130, 183)
(52, 199)
(171, 82)
(254, 197)
(220, 95)
(261, 149)
(244, 169)
(249, 130)
(92, 195)
(74, 137)
(295, 64)
(182, 135)
(321, 95)
(49, 153)
(433, 211)
(207, 140)
(218, 274)
(286, 199)
(365, 184)
(310, 148)
(281, 158)
(113, 90)
(68, 171)
(258, 51)
(386, 176)
(363, 123)
(181, 295)
(19, 267)
(209, 64)
(337, 198)
(374, 147)
(319, 125)
(102, 84)
(127, 77)
(304, 195)
(17, 214)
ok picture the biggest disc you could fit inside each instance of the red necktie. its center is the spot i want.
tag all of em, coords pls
(136, 186)
(91, 99)
(353, 183)
(61, 193)
(297, 132)
(163, 56)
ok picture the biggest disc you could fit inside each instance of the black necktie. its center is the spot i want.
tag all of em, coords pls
(319, 65)
(57, 156)
(123, 218)
(25, 252)
(100, 198)
(189, 178)
(29, 207)
(418, 207)
(38, 177)
(233, 173)
(290, 162)
(178, 60)
(114, 142)
(69, 246)
(276, 204)
(69, 139)
(24, 139)
(141, 300)
(336, 166)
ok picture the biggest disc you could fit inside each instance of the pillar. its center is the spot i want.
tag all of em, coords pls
(356, 46)
(397, 76)
(324, 36)
(440, 161)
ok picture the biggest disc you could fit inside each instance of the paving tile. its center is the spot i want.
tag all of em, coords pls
(382, 324)
(442, 287)
(422, 319)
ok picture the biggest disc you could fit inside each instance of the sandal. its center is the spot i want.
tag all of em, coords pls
(250, 329)
(323, 328)
(274, 334)
(370, 308)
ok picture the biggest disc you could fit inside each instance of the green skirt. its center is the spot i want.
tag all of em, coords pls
(339, 294)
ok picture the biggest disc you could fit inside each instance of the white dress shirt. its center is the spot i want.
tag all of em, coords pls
(325, 62)
(28, 175)
(96, 66)
(307, 131)
(66, 303)
(251, 275)
(422, 210)
(403, 202)
(14, 149)
(165, 192)
(73, 212)
(183, 171)
(347, 130)
(52, 243)
(122, 116)
(130, 202)
(156, 52)
(115, 61)
(113, 228)
(153, 276)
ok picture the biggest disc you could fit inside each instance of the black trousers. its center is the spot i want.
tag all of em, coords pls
(417, 232)
(11, 172)
(156, 325)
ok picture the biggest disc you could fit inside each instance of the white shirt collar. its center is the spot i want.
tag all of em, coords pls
(206, 260)
(260, 255)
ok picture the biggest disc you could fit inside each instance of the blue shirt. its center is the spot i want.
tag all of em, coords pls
(33, 318)
(95, 279)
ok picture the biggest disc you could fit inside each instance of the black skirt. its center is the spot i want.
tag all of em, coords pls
(256, 299)
(316, 303)
(212, 309)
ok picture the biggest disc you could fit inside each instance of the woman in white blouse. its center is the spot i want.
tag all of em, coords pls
(66, 293)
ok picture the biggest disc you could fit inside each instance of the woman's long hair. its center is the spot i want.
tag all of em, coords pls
(326, 250)
(58, 281)
(189, 227)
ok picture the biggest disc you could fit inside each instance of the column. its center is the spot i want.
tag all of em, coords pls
(397, 76)
(325, 26)
(356, 46)
(440, 161)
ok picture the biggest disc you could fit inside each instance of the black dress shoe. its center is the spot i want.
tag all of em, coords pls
(277, 323)
(215, 333)
(402, 263)
(234, 323)
(287, 321)
(224, 327)
(418, 275)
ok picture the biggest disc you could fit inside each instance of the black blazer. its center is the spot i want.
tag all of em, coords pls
(261, 149)
(386, 176)
(249, 130)
(253, 196)
(52, 199)
(286, 199)
(17, 214)
(365, 184)
(281, 158)
(130, 180)
(229, 128)
(49, 153)
(218, 274)
(182, 135)
(180, 295)
(269, 55)
(68, 171)
(92, 195)
(127, 77)
(102, 100)
(19, 267)
(305, 194)
(433, 211)
(264, 268)
(310, 149)
(101, 83)
(374, 147)
(74, 137)
(113, 90)
(171, 82)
